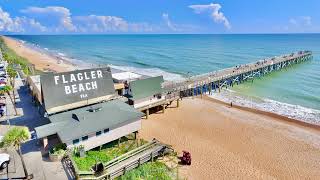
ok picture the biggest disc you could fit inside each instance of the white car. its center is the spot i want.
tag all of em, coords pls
(4, 160)
(2, 73)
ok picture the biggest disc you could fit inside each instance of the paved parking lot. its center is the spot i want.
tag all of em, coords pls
(14, 169)
(40, 167)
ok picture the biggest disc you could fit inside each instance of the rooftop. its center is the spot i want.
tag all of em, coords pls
(80, 122)
(143, 88)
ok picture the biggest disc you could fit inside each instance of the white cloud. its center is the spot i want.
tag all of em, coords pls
(100, 24)
(215, 13)
(301, 21)
(63, 21)
(168, 22)
(62, 14)
(300, 24)
(56, 19)
(18, 24)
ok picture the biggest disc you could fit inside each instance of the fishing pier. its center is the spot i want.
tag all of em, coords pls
(215, 81)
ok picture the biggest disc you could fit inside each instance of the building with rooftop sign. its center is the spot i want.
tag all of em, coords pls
(81, 109)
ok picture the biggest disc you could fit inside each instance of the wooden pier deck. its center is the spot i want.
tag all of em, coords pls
(228, 77)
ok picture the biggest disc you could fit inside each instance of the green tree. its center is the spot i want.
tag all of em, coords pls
(12, 77)
(6, 90)
(14, 138)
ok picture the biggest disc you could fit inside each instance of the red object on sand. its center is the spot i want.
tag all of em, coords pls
(186, 158)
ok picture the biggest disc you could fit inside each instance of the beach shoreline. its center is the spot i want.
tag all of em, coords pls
(41, 61)
(47, 62)
(237, 142)
(266, 113)
(225, 142)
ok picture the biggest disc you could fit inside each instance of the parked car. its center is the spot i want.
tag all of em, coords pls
(3, 73)
(4, 160)
(3, 109)
(3, 79)
(2, 65)
(2, 112)
(33, 135)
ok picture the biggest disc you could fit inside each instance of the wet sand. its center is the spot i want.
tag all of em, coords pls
(236, 143)
(42, 62)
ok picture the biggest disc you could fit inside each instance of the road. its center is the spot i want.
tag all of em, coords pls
(39, 166)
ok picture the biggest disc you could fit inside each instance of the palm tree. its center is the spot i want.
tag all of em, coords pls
(6, 90)
(14, 138)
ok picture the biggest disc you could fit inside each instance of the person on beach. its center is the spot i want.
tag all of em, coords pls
(231, 104)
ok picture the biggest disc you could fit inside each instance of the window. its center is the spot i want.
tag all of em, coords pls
(106, 130)
(98, 133)
(84, 138)
(76, 141)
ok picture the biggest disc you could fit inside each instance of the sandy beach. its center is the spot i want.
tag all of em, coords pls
(42, 62)
(233, 143)
(225, 143)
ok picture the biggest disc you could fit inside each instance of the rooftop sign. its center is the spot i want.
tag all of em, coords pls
(66, 88)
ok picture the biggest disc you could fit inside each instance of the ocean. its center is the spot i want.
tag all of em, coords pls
(294, 92)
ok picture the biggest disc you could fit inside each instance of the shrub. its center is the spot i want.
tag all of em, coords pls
(12, 58)
(58, 149)
(150, 171)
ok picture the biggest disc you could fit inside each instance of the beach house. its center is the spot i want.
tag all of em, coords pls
(83, 109)
(92, 126)
(147, 95)
(143, 92)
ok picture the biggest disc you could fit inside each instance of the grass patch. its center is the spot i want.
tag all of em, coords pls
(12, 58)
(107, 153)
(149, 171)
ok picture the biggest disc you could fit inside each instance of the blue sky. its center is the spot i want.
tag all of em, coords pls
(158, 16)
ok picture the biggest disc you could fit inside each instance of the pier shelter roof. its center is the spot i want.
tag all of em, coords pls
(143, 88)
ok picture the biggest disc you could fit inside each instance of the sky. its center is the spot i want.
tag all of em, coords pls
(158, 16)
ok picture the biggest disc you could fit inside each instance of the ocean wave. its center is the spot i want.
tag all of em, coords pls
(61, 57)
(61, 54)
(298, 112)
(150, 72)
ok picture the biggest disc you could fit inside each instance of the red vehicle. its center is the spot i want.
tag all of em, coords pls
(186, 158)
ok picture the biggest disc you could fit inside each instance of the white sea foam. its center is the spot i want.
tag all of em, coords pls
(61, 54)
(150, 72)
(289, 110)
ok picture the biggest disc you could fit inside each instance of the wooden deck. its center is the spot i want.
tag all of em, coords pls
(126, 162)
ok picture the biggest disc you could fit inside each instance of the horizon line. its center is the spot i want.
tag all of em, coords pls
(80, 34)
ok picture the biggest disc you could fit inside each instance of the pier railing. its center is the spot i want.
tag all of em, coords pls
(227, 77)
